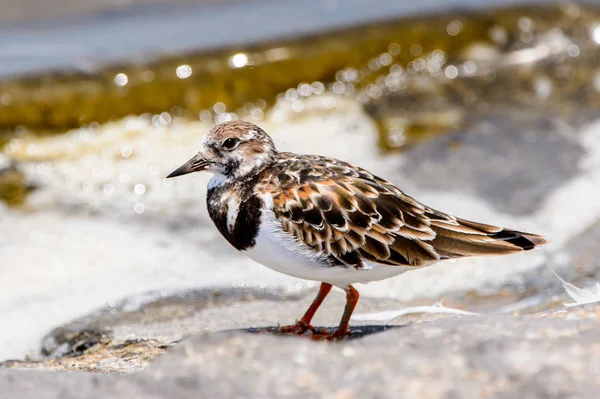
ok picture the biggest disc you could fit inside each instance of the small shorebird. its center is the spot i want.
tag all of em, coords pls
(322, 219)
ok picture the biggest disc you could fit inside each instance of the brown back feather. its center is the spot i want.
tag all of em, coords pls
(352, 216)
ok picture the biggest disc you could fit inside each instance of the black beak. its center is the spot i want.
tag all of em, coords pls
(196, 164)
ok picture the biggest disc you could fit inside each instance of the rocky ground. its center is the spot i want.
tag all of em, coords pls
(553, 354)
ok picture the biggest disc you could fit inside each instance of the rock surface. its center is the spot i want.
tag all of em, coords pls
(552, 355)
(140, 332)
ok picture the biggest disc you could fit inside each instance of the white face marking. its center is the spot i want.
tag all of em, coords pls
(249, 135)
(247, 166)
(256, 151)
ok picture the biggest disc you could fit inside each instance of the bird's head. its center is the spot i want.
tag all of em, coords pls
(234, 149)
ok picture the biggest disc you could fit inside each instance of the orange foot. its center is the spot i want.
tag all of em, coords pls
(297, 329)
(300, 328)
(325, 336)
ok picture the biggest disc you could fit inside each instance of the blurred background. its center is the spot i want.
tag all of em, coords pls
(484, 109)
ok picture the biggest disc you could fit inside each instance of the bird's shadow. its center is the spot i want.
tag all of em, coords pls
(355, 331)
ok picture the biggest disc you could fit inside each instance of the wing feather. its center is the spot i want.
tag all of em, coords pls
(352, 216)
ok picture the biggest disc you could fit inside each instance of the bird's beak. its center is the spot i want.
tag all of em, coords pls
(196, 164)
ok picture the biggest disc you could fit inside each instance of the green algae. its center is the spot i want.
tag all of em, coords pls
(195, 82)
(13, 187)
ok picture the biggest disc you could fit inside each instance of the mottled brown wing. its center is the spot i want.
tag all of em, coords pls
(351, 216)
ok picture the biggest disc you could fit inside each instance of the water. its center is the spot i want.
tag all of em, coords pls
(145, 32)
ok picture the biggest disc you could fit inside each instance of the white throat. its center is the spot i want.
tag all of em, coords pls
(216, 180)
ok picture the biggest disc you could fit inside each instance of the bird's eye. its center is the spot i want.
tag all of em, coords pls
(229, 143)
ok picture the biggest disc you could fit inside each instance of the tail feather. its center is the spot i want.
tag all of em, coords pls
(475, 239)
(525, 241)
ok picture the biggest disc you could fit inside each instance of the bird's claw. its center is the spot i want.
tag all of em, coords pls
(296, 329)
(317, 334)
(323, 335)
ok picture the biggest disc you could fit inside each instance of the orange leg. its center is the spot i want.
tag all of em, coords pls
(304, 324)
(351, 301)
(342, 330)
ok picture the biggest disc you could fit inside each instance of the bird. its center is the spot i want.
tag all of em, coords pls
(322, 219)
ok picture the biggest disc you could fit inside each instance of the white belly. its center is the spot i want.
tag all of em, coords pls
(280, 251)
